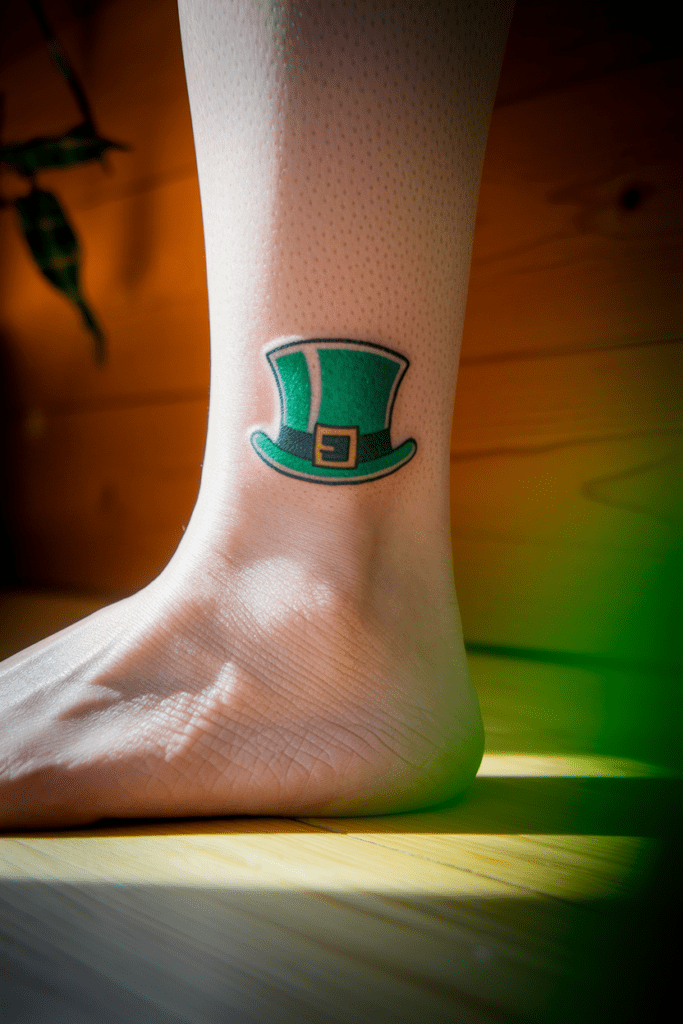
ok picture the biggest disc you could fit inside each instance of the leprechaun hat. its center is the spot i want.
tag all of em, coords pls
(336, 400)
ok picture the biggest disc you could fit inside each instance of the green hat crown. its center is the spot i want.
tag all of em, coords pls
(336, 401)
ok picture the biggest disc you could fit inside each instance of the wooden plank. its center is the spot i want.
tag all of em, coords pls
(579, 235)
(165, 953)
(516, 824)
(553, 45)
(252, 888)
(404, 896)
(615, 604)
(588, 867)
(526, 404)
(121, 485)
(256, 853)
(622, 493)
(606, 708)
(374, 919)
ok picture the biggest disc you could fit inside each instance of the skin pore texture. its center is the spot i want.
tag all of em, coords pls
(302, 652)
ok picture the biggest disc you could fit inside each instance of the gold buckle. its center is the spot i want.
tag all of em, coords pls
(321, 431)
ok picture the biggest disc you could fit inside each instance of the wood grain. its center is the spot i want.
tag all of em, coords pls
(397, 918)
(578, 236)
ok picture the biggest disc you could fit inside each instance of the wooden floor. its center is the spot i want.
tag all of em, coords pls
(544, 895)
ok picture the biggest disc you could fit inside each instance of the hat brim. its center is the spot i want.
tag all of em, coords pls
(302, 469)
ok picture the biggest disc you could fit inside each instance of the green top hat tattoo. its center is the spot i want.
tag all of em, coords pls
(336, 400)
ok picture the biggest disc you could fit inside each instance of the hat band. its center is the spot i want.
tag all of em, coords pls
(302, 444)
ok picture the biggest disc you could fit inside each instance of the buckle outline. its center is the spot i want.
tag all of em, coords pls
(319, 447)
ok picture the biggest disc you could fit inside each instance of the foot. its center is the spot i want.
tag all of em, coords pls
(313, 665)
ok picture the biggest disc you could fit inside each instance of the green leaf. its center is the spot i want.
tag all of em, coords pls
(55, 249)
(77, 146)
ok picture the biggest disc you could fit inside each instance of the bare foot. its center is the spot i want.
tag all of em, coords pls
(252, 677)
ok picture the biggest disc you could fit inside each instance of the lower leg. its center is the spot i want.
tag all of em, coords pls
(302, 651)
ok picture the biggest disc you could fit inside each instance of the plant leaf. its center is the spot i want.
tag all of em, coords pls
(55, 249)
(77, 146)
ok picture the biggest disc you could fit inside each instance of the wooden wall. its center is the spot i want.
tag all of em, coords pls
(566, 445)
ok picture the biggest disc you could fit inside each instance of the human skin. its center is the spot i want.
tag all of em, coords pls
(302, 652)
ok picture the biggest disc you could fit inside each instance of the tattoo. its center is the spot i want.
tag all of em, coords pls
(336, 401)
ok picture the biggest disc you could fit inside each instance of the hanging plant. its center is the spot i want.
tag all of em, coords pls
(50, 237)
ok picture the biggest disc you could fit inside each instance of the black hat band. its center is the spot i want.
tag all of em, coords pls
(302, 444)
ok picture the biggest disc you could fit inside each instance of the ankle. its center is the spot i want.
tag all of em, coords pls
(363, 548)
